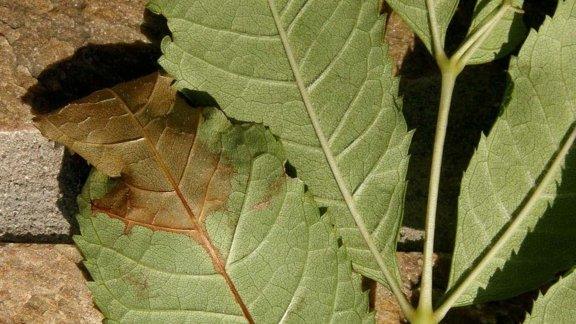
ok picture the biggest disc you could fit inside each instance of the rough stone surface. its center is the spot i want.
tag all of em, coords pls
(386, 307)
(38, 188)
(43, 284)
(410, 239)
(37, 33)
(51, 53)
(400, 38)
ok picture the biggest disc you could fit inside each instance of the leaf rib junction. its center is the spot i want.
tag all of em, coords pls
(394, 286)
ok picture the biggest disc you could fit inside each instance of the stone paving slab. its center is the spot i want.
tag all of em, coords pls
(38, 188)
(43, 284)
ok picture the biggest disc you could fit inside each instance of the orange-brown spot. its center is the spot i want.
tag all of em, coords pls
(273, 191)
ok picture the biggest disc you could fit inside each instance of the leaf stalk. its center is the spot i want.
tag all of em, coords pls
(449, 75)
(437, 46)
(450, 68)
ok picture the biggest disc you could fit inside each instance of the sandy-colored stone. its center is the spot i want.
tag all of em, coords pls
(43, 284)
(37, 33)
(386, 307)
(400, 39)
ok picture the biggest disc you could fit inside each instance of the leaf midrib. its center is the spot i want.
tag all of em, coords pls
(306, 100)
(325, 146)
(205, 240)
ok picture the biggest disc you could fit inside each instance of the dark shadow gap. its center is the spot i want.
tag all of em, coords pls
(478, 95)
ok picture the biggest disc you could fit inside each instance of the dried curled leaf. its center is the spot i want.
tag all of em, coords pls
(201, 224)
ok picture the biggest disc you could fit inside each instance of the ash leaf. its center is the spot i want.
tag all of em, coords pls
(200, 222)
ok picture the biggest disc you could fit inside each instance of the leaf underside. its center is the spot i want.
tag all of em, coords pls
(505, 36)
(233, 51)
(557, 305)
(540, 110)
(201, 224)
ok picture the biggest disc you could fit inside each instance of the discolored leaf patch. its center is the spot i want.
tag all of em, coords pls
(146, 134)
(201, 222)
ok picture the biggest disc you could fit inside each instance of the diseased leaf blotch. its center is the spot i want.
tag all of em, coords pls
(201, 222)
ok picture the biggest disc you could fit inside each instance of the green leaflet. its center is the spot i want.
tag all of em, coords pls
(415, 14)
(235, 230)
(507, 34)
(557, 305)
(233, 51)
(539, 112)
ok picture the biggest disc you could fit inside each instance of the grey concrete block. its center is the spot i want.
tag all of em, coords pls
(39, 182)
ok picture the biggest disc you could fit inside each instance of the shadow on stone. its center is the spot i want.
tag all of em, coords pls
(91, 68)
(31, 238)
(155, 27)
(73, 173)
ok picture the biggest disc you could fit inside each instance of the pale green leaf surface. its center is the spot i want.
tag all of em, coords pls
(415, 14)
(232, 50)
(289, 268)
(539, 111)
(557, 305)
(505, 36)
(203, 218)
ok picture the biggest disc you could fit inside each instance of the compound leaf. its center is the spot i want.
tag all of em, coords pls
(538, 115)
(331, 63)
(201, 223)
